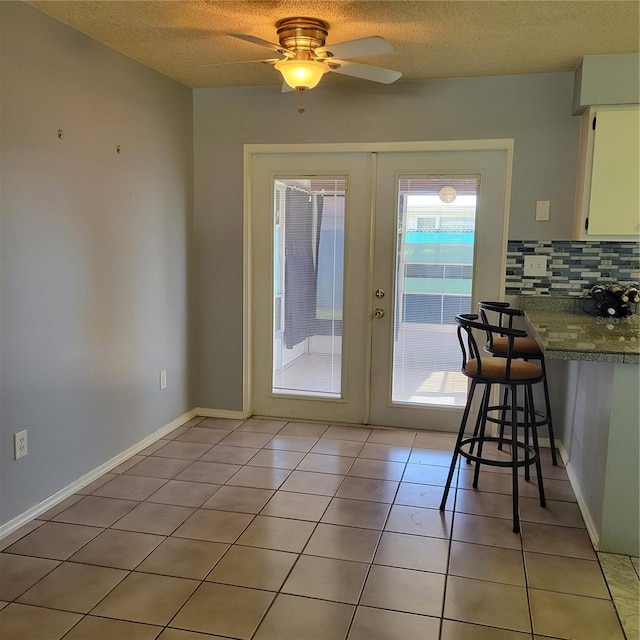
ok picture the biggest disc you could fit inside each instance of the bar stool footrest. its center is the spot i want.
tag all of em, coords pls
(474, 441)
(544, 419)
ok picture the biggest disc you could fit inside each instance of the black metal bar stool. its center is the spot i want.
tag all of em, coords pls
(526, 348)
(491, 371)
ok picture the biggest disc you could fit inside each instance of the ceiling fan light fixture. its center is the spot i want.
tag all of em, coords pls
(302, 74)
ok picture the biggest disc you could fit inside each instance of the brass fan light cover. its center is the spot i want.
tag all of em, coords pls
(302, 34)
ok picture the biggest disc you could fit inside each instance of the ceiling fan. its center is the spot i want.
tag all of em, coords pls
(306, 58)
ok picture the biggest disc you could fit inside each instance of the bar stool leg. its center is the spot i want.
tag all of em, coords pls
(483, 426)
(503, 414)
(536, 447)
(456, 449)
(482, 415)
(528, 407)
(547, 403)
(514, 459)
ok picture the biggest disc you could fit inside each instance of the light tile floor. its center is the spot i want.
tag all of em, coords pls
(268, 530)
(622, 574)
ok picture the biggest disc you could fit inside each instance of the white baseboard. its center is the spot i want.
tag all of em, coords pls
(28, 515)
(592, 530)
(12, 525)
(545, 443)
(219, 413)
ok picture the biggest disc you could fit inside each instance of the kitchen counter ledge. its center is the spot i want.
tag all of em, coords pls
(596, 413)
(566, 332)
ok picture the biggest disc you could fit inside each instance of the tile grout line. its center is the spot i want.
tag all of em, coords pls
(316, 522)
(377, 546)
(448, 566)
(299, 555)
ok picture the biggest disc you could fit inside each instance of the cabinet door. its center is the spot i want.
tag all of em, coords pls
(614, 203)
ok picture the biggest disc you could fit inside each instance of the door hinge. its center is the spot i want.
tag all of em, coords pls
(586, 224)
(593, 124)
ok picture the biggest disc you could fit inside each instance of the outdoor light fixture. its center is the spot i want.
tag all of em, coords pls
(447, 194)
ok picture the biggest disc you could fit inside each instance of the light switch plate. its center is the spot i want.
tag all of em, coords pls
(542, 210)
(535, 266)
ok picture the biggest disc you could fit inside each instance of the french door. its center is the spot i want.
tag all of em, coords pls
(358, 263)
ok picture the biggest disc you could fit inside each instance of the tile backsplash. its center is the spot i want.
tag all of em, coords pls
(572, 267)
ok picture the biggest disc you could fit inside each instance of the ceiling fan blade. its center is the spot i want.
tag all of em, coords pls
(262, 43)
(286, 88)
(365, 71)
(220, 64)
(355, 48)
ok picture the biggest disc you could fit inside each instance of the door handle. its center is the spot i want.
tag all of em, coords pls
(379, 313)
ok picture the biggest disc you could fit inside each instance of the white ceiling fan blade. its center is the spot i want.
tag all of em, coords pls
(355, 48)
(220, 64)
(262, 43)
(365, 71)
(286, 88)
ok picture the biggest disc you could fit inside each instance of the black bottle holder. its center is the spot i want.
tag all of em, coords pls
(607, 301)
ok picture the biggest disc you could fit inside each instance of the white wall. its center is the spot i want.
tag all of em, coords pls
(535, 110)
(94, 253)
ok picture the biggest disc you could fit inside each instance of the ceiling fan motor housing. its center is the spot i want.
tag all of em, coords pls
(302, 34)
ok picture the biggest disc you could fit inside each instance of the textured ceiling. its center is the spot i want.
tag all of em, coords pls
(186, 40)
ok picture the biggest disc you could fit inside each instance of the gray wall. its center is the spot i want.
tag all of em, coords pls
(94, 253)
(608, 80)
(535, 110)
(585, 430)
(96, 247)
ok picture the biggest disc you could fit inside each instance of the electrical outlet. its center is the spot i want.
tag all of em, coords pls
(535, 266)
(20, 444)
(163, 380)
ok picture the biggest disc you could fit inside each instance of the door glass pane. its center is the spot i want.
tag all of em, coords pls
(309, 222)
(434, 267)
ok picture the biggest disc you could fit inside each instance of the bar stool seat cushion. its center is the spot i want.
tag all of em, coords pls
(495, 370)
(525, 346)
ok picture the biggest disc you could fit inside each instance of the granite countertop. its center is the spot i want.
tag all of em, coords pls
(566, 332)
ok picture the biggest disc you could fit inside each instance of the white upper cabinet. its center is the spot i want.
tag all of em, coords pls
(608, 190)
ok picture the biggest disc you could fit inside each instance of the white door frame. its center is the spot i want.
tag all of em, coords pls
(249, 150)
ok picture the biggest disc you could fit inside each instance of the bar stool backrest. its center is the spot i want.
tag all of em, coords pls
(467, 322)
(502, 316)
